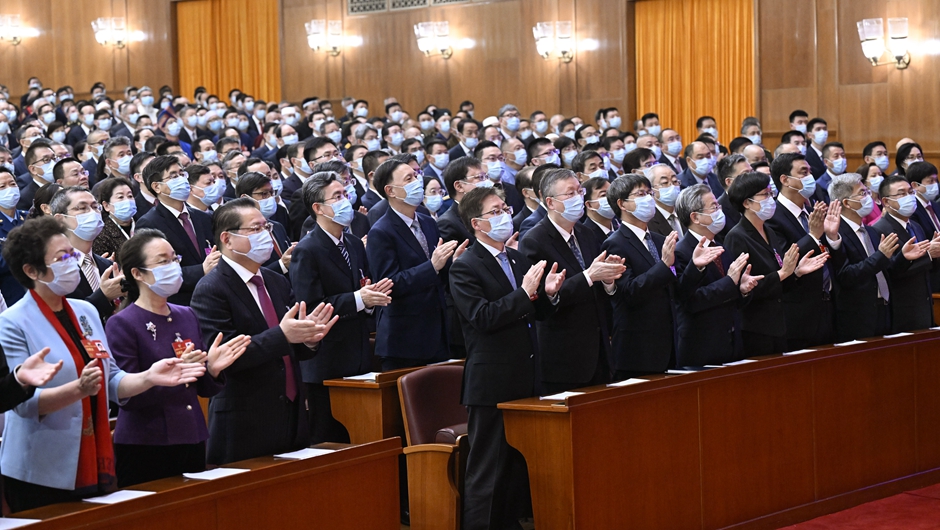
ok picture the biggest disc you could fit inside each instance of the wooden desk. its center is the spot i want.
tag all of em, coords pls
(759, 445)
(370, 410)
(936, 309)
(353, 488)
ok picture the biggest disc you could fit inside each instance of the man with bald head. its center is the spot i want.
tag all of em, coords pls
(903, 141)
(754, 154)
(95, 141)
(701, 161)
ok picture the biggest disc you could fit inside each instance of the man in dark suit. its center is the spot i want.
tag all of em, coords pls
(370, 162)
(923, 179)
(496, 290)
(672, 151)
(860, 287)
(461, 176)
(40, 160)
(142, 198)
(300, 171)
(261, 410)
(665, 192)
(257, 187)
(492, 159)
(378, 210)
(96, 142)
(700, 161)
(187, 229)
(643, 301)
(405, 246)
(574, 341)
(99, 283)
(817, 134)
(911, 300)
(600, 218)
(527, 189)
(729, 168)
(81, 131)
(467, 132)
(808, 306)
(330, 265)
(707, 297)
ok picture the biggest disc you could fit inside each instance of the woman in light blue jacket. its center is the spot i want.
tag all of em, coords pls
(57, 444)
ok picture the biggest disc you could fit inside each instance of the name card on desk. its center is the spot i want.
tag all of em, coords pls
(896, 335)
(628, 382)
(742, 361)
(561, 396)
(364, 377)
(680, 372)
(213, 474)
(445, 362)
(119, 496)
(797, 352)
(6, 523)
(850, 343)
(305, 453)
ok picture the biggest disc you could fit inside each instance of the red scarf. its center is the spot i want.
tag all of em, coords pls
(96, 456)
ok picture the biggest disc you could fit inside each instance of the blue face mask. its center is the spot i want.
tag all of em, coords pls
(717, 221)
(47, 172)
(167, 279)
(124, 164)
(211, 194)
(552, 159)
(618, 155)
(809, 186)
(906, 206)
(147, 101)
(657, 151)
(277, 185)
(674, 148)
(568, 156)
(868, 204)
(342, 212)
(124, 210)
(645, 208)
(874, 183)
(574, 208)
(89, 225)
(351, 193)
(268, 207)
(767, 208)
(440, 161)
(500, 227)
(210, 156)
(414, 192)
(179, 188)
(882, 162)
(930, 193)
(838, 166)
(262, 244)
(373, 144)
(603, 208)
(520, 157)
(703, 165)
(433, 202)
(9, 197)
(512, 124)
(471, 142)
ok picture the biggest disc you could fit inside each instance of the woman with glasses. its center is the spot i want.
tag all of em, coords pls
(872, 177)
(117, 200)
(908, 154)
(57, 444)
(433, 195)
(162, 432)
(764, 329)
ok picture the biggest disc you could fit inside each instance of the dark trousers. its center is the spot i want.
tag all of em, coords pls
(601, 377)
(397, 363)
(759, 344)
(496, 487)
(821, 334)
(26, 496)
(623, 375)
(142, 463)
(323, 426)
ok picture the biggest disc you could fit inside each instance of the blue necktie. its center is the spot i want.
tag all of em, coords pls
(910, 230)
(577, 252)
(504, 264)
(652, 247)
(342, 250)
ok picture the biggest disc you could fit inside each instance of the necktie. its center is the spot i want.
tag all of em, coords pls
(342, 250)
(912, 233)
(188, 227)
(504, 263)
(270, 316)
(804, 220)
(573, 245)
(933, 217)
(674, 223)
(718, 263)
(91, 272)
(652, 247)
(423, 241)
(869, 249)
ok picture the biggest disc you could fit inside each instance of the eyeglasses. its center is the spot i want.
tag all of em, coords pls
(862, 194)
(434, 193)
(253, 229)
(262, 195)
(162, 262)
(507, 210)
(638, 195)
(332, 154)
(716, 209)
(903, 193)
(45, 160)
(473, 179)
(912, 158)
(86, 208)
(335, 199)
(68, 256)
(566, 196)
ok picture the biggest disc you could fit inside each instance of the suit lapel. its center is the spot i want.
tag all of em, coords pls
(278, 298)
(794, 222)
(241, 291)
(638, 245)
(174, 226)
(562, 247)
(333, 251)
(405, 233)
(489, 263)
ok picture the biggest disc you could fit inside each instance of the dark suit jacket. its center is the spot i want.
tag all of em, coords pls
(27, 195)
(732, 217)
(319, 273)
(291, 185)
(378, 210)
(498, 321)
(456, 152)
(163, 220)
(19, 164)
(452, 227)
(281, 242)
(909, 281)
(816, 165)
(922, 218)
(76, 134)
(707, 303)
(11, 289)
(599, 234)
(686, 179)
(803, 305)
(370, 199)
(659, 225)
(96, 298)
(763, 310)
(251, 416)
(121, 130)
(855, 287)
(143, 206)
(529, 222)
(573, 339)
(520, 216)
(678, 167)
(11, 393)
(414, 325)
(513, 197)
(91, 165)
(643, 305)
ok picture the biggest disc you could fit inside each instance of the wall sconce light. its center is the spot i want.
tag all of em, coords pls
(551, 37)
(871, 33)
(328, 35)
(110, 31)
(12, 31)
(434, 39)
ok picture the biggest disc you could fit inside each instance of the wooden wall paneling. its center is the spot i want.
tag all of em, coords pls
(854, 68)
(33, 56)
(600, 72)
(304, 72)
(628, 60)
(827, 64)
(150, 62)
(78, 59)
(928, 405)
(539, 85)
(786, 35)
(863, 116)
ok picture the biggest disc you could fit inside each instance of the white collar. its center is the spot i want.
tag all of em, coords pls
(665, 212)
(790, 206)
(851, 224)
(176, 213)
(903, 223)
(640, 233)
(404, 217)
(491, 250)
(602, 227)
(243, 273)
(564, 235)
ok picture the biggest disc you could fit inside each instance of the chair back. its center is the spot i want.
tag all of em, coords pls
(430, 400)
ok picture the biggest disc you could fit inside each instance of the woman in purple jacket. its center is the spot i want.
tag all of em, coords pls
(161, 432)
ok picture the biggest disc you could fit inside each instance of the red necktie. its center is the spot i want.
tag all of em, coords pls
(188, 227)
(270, 316)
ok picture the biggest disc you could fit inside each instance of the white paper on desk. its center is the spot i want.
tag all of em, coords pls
(742, 361)
(896, 335)
(714, 366)
(561, 396)
(213, 474)
(936, 328)
(304, 454)
(680, 372)
(6, 523)
(628, 382)
(364, 377)
(797, 352)
(850, 343)
(445, 362)
(119, 496)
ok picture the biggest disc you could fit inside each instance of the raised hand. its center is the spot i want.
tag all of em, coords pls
(89, 382)
(934, 247)
(35, 371)
(111, 282)
(221, 356)
(737, 266)
(442, 253)
(382, 286)
(554, 280)
(811, 264)
(193, 356)
(669, 249)
(211, 260)
(833, 220)
(601, 271)
(817, 219)
(748, 282)
(532, 278)
(888, 245)
(513, 241)
(790, 261)
(297, 328)
(913, 251)
(372, 297)
(460, 250)
(287, 255)
(703, 255)
(173, 371)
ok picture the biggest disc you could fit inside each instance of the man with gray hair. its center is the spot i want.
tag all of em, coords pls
(328, 266)
(729, 168)
(708, 292)
(368, 136)
(574, 341)
(859, 286)
(509, 119)
(116, 157)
